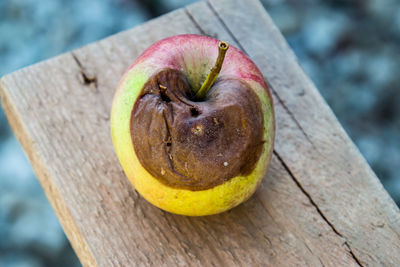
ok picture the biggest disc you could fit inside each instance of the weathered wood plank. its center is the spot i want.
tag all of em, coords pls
(303, 214)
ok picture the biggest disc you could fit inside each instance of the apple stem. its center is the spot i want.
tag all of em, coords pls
(205, 87)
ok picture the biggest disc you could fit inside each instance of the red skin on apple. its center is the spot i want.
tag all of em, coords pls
(180, 53)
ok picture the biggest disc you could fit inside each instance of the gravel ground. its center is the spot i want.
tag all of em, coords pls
(350, 49)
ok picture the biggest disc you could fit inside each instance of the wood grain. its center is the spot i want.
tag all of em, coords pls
(319, 205)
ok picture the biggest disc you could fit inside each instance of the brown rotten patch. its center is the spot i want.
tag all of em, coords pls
(196, 145)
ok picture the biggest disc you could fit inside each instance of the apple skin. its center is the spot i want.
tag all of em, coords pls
(194, 55)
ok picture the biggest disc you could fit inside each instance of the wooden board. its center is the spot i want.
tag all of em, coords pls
(319, 205)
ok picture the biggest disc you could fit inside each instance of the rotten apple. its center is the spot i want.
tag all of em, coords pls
(192, 124)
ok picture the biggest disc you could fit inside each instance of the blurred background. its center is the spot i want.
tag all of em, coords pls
(350, 49)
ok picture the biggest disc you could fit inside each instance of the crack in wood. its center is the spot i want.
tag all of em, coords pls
(285, 166)
(87, 78)
(226, 27)
(195, 22)
(280, 100)
(316, 207)
(322, 264)
(352, 253)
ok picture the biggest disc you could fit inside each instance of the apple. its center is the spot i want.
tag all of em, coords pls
(192, 123)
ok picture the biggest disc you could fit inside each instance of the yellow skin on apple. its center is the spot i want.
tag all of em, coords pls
(194, 55)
